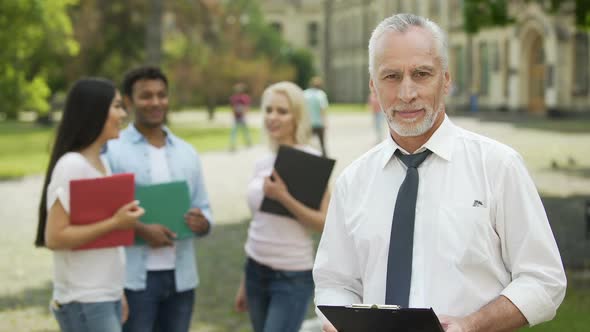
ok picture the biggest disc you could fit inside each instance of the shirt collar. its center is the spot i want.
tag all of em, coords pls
(440, 143)
(135, 136)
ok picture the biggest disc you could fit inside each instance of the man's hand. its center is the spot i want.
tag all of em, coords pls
(156, 235)
(196, 221)
(453, 324)
(124, 309)
(328, 327)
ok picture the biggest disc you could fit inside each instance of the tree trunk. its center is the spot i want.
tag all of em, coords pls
(154, 33)
(211, 104)
(327, 46)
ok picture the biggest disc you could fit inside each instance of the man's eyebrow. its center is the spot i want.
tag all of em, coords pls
(389, 71)
(424, 68)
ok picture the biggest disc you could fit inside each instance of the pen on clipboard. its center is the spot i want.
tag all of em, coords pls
(373, 306)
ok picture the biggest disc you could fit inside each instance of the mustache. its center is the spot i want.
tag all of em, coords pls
(408, 107)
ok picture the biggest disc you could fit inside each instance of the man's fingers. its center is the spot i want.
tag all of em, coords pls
(170, 234)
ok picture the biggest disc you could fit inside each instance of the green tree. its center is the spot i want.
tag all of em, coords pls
(215, 44)
(112, 38)
(302, 60)
(35, 35)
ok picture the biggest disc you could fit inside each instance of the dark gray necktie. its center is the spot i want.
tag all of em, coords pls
(399, 261)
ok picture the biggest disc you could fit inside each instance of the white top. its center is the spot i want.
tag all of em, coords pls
(93, 275)
(163, 258)
(480, 230)
(279, 242)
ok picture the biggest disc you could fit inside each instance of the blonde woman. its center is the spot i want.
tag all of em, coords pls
(278, 285)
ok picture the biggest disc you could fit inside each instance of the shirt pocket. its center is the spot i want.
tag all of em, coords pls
(462, 235)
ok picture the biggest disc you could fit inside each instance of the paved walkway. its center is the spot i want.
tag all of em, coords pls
(348, 136)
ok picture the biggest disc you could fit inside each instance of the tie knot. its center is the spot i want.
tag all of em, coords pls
(412, 160)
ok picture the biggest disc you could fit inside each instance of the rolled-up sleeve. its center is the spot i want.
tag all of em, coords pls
(200, 199)
(529, 249)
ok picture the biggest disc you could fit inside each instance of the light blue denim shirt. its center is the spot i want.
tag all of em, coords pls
(130, 153)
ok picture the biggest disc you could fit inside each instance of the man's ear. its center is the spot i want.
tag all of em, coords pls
(372, 86)
(127, 102)
(447, 82)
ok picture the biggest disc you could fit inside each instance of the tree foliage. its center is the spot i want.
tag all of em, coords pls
(111, 34)
(207, 47)
(582, 10)
(478, 14)
(35, 36)
(210, 46)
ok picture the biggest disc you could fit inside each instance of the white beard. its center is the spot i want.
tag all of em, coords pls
(411, 127)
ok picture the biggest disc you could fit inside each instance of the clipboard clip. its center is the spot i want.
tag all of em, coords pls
(374, 306)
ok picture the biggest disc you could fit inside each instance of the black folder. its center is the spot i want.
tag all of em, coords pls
(306, 176)
(356, 318)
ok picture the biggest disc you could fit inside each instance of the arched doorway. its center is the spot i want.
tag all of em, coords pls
(536, 79)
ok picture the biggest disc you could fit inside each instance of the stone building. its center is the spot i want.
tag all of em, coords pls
(301, 22)
(540, 63)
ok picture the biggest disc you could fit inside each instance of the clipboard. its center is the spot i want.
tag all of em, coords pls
(165, 204)
(383, 318)
(93, 200)
(306, 175)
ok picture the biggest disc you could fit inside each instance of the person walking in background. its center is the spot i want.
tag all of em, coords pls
(162, 275)
(240, 104)
(436, 216)
(277, 286)
(378, 117)
(317, 106)
(87, 284)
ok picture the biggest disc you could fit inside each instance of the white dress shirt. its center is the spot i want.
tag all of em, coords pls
(480, 230)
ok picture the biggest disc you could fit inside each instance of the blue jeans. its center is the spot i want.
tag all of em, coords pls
(241, 125)
(277, 300)
(159, 306)
(89, 317)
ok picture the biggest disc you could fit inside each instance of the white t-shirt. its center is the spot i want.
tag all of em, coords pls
(94, 275)
(279, 242)
(163, 258)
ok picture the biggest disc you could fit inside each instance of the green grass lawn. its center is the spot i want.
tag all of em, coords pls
(221, 258)
(573, 315)
(25, 147)
(23, 304)
(568, 125)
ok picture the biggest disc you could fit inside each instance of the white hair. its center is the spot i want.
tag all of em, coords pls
(401, 23)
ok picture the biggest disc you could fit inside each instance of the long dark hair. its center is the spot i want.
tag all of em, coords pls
(85, 113)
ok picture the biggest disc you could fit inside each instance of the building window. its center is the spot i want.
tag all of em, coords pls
(455, 10)
(434, 10)
(581, 67)
(312, 34)
(495, 57)
(506, 67)
(277, 26)
(415, 8)
(484, 69)
(458, 70)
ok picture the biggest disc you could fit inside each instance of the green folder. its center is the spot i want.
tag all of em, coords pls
(165, 204)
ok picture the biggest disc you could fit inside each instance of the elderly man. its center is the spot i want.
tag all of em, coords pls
(436, 216)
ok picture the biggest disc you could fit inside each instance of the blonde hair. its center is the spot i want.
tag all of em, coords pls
(297, 106)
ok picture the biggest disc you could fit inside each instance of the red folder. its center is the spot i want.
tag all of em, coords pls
(93, 200)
